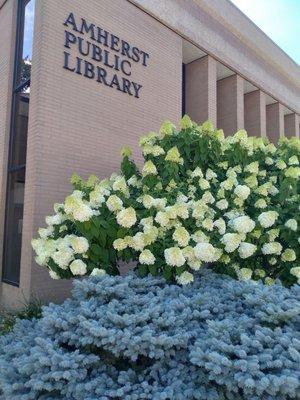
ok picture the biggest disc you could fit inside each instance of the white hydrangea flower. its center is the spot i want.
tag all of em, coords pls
(268, 218)
(296, 272)
(146, 257)
(159, 203)
(134, 181)
(292, 224)
(273, 191)
(149, 169)
(244, 274)
(206, 252)
(114, 203)
(127, 217)
(153, 150)
(210, 174)
(54, 219)
(273, 234)
(280, 164)
(208, 198)
(162, 218)
(120, 185)
(243, 224)
(272, 248)
(98, 272)
(200, 237)
(46, 232)
(63, 257)
(78, 267)
(79, 244)
(137, 242)
(185, 278)
(83, 213)
(204, 184)
(293, 160)
(96, 198)
(293, 172)
(242, 191)
(181, 236)
(220, 224)
(174, 257)
(194, 264)
(269, 161)
(173, 155)
(260, 203)
(53, 274)
(222, 204)
(246, 249)
(253, 167)
(288, 255)
(197, 173)
(231, 241)
(208, 224)
(119, 244)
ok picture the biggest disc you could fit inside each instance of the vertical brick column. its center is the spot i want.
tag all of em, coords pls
(291, 125)
(201, 90)
(275, 121)
(230, 104)
(255, 113)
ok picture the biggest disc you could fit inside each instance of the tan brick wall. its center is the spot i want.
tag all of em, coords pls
(201, 90)
(275, 121)
(8, 28)
(255, 113)
(230, 104)
(291, 125)
(77, 124)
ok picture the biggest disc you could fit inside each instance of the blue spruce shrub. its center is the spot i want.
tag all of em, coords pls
(131, 338)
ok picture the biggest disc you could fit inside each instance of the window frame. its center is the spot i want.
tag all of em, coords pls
(16, 89)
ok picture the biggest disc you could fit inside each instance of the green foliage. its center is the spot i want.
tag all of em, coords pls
(200, 198)
(30, 310)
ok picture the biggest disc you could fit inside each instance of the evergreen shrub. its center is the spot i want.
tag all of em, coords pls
(129, 338)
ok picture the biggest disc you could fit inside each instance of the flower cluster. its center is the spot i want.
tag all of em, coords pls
(200, 198)
(130, 338)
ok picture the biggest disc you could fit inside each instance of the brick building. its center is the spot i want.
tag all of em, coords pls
(94, 75)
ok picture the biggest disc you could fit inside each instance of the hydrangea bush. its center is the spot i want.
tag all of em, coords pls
(131, 338)
(199, 199)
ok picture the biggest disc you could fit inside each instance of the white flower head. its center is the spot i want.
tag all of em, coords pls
(127, 217)
(246, 249)
(268, 218)
(206, 252)
(78, 267)
(174, 257)
(292, 224)
(79, 244)
(243, 224)
(242, 191)
(98, 272)
(185, 278)
(146, 257)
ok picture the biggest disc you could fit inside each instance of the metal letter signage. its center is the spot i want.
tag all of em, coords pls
(102, 56)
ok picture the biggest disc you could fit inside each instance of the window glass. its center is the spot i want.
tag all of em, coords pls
(19, 140)
(27, 42)
(14, 223)
(18, 143)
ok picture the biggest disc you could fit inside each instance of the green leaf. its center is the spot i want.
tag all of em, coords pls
(143, 270)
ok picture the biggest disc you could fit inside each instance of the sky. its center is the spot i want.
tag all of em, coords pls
(28, 29)
(279, 19)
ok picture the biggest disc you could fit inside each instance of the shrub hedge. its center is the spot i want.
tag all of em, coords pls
(131, 338)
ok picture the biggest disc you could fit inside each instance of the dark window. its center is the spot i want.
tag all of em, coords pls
(18, 143)
(183, 90)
